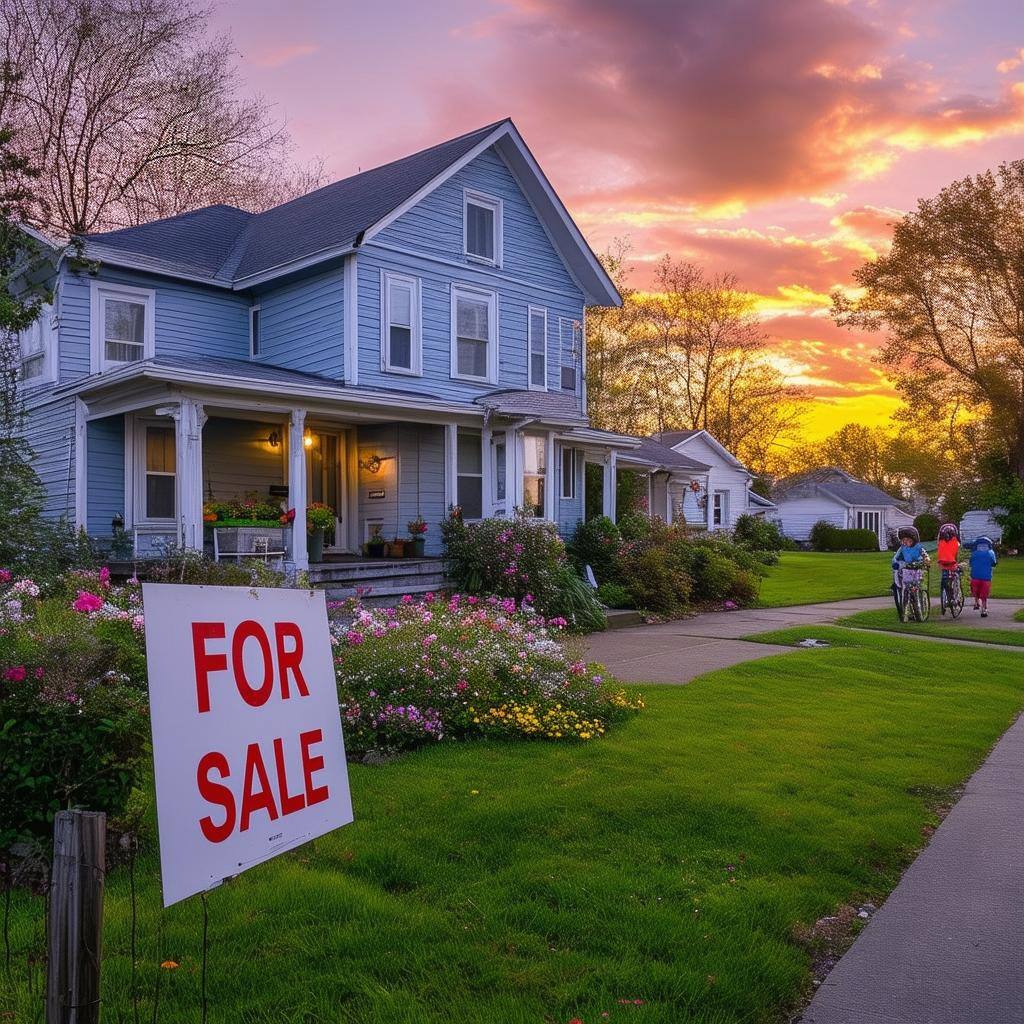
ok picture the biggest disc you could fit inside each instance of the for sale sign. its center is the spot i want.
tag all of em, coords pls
(247, 742)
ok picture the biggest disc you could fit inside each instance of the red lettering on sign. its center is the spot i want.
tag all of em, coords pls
(289, 803)
(314, 795)
(255, 799)
(253, 696)
(206, 663)
(215, 793)
(289, 660)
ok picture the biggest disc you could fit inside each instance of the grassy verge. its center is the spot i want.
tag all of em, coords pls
(807, 577)
(672, 862)
(955, 629)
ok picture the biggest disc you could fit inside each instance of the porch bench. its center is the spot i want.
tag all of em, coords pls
(239, 542)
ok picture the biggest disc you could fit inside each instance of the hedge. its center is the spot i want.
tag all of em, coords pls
(827, 537)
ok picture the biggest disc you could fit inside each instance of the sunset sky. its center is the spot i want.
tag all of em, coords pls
(772, 138)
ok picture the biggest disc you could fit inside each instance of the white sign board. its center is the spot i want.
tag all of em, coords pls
(247, 742)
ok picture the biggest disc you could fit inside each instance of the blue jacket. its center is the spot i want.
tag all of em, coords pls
(982, 560)
(915, 553)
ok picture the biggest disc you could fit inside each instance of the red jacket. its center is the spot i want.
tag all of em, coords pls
(947, 551)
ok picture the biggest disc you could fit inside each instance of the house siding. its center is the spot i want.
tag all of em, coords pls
(302, 325)
(105, 492)
(50, 431)
(796, 516)
(237, 458)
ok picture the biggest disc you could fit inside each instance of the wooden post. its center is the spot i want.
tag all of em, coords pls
(76, 918)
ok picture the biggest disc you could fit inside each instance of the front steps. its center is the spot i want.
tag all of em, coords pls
(383, 581)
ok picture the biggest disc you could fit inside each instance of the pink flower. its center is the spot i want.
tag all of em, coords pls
(105, 576)
(353, 637)
(138, 623)
(5, 575)
(407, 599)
(40, 672)
(16, 674)
(87, 602)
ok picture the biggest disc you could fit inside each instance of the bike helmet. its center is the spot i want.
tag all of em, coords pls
(984, 540)
(948, 531)
(909, 531)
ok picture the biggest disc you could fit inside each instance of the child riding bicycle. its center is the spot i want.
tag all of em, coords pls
(948, 550)
(911, 557)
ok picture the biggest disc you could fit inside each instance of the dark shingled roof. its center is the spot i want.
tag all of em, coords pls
(661, 455)
(835, 483)
(671, 437)
(550, 406)
(226, 244)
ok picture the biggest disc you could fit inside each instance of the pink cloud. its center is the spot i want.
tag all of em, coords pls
(278, 56)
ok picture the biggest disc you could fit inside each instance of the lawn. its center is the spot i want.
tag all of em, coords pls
(807, 577)
(958, 629)
(668, 863)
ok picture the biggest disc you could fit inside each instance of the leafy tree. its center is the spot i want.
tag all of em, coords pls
(950, 297)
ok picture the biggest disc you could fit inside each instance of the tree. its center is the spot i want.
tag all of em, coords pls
(130, 112)
(950, 296)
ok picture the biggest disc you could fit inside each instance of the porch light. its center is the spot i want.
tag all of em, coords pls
(307, 438)
(274, 439)
(371, 464)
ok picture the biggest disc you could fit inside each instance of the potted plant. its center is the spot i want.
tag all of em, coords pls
(397, 548)
(375, 545)
(417, 528)
(319, 518)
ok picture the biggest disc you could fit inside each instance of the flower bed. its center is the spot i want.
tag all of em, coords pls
(464, 667)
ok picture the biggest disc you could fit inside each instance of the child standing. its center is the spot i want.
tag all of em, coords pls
(948, 549)
(983, 558)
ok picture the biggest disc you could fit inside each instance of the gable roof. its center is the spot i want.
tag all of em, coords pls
(835, 483)
(226, 246)
(663, 457)
(677, 439)
(548, 406)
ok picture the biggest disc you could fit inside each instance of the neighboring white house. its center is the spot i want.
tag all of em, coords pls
(727, 480)
(838, 498)
(979, 522)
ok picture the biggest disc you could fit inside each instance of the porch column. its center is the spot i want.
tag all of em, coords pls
(513, 479)
(550, 477)
(297, 487)
(487, 469)
(610, 470)
(81, 466)
(451, 466)
(188, 419)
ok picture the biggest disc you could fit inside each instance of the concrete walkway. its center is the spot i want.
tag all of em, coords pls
(947, 947)
(676, 652)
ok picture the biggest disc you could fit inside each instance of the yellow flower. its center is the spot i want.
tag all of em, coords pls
(170, 965)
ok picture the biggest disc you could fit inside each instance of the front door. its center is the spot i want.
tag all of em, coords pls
(325, 461)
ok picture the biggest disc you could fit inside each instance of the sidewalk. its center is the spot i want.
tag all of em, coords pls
(948, 945)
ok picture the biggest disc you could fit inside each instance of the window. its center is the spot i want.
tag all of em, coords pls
(538, 345)
(254, 333)
(569, 464)
(470, 474)
(482, 227)
(535, 467)
(122, 325)
(570, 339)
(719, 508)
(869, 521)
(400, 324)
(160, 473)
(38, 344)
(474, 334)
(499, 471)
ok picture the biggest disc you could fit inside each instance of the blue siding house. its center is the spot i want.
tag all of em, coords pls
(398, 342)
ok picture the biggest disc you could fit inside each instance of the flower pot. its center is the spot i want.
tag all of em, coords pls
(398, 549)
(316, 546)
(415, 547)
(375, 549)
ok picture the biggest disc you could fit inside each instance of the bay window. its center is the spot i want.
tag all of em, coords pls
(474, 334)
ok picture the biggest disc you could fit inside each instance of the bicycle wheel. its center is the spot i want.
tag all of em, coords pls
(956, 591)
(924, 603)
(945, 597)
(906, 604)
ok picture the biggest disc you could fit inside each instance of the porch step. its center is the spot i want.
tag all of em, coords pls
(622, 618)
(358, 571)
(388, 591)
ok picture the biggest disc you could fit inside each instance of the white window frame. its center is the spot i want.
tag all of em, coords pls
(140, 431)
(45, 330)
(473, 292)
(255, 312)
(101, 291)
(459, 475)
(875, 517)
(720, 506)
(531, 383)
(387, 278)
(573, 455)
(496, 206)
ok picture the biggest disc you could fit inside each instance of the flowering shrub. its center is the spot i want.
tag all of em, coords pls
(462, 667)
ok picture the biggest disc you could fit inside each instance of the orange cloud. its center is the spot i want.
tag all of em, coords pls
(278, 56)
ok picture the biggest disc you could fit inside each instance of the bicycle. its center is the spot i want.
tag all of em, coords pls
(914, 599)
(951, 593)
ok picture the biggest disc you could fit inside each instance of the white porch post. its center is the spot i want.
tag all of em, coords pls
(668, 498)
(451, 466)
(609, 485)
(513, 479)
(297, 487)
(188, 418)
(550, 477)
(81, 466)
(487, 469)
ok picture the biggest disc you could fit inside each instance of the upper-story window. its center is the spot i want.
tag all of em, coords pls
(482, 227)
(538, 345)
(401, 349)
(255, 349)
(123, 329)
(474, 334)
(38, 344)
(570, 336)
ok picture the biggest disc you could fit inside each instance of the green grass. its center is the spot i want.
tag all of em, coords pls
(956, 629)
(807, 577)
(532, 883)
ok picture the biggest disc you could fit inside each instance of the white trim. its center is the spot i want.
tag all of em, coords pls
(530, 383)
(550, 476)
(262, 276)
(138, 503)
(45, 327)
(81, 466)
(99, 292)
(471, 197)
(451, 450)
(573, 456)
(254, 316)
(297, 485)
(351, 318)
(128, 510)
(491, 297)
(583, 358)
(482, 475)
(387, 279)
(716, 446)
(487, 468)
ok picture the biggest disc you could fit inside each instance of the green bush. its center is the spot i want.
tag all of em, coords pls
(927, 525)
(634, 526)
(1008, 496)
(614, 595)
(826, 536)
(596, 543)
(181, 566)
(655, 578)
(714, 575)
(757, 534)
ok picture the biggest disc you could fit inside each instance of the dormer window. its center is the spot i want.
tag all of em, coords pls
(122, 325)
(482, 224)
